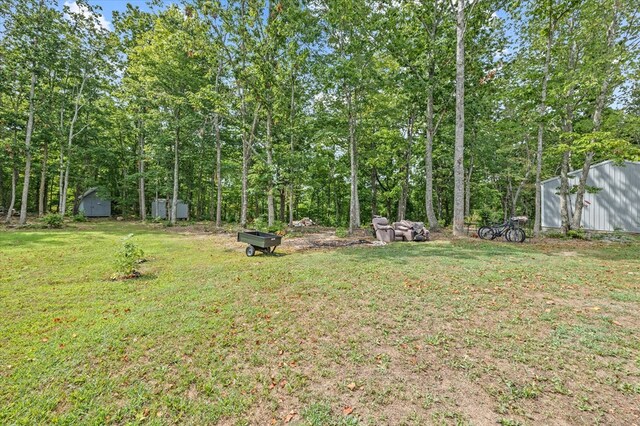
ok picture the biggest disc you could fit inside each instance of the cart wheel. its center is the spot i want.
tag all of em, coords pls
(250, 251)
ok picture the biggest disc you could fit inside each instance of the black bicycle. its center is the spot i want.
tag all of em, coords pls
(510, 230)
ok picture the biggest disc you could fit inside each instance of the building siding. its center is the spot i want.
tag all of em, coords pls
(159, 209)
(615, 206)
(92, 206)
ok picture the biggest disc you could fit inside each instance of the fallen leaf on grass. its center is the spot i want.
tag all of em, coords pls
(351, 386)
(290, 416)
(617, 323)
(347, 410)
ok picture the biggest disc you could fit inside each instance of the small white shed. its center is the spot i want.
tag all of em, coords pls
(615, 205)
(161, 206)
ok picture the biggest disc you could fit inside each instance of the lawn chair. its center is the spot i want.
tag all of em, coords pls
(384, 232)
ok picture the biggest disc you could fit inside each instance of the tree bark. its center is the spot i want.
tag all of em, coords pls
(428, 159)
(270, 207)
(174, 200)
(582, 185)
(458, 164)
(292, 146)
(565, 223)
(247, 143)
(374, 191)
(404, 192)
(27, 147)
(14, 182)
(71, 135)
(283, 202)
(43, 180)
(354, 207)
(612, 32)
(467, 189)
(141, 183)
(218, 180)
(537, 225)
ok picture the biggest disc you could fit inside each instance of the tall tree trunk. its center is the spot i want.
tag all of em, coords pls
(270, 207)
(291, 142)
(537, 225)
(516, 196)
(567, 127)
(247, 143)
(14, 183)
(27, 152)
(218, 180)
(43, 180)
(467, 189)
(582, 185)
(141, 184)
(374, 191)
(174, 199)
(70, 138)
(565, 222)
(612, 32)
(283, 202)
(428, 158)
(354, 206)
(404, 192)
(458, 163)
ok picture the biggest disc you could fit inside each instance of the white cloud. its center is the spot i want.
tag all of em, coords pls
(75, 8)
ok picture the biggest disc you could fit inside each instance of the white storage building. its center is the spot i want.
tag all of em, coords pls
(615, 205)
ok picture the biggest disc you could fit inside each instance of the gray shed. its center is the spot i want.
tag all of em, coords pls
(615, 205)
(160, 207)
(94, 206)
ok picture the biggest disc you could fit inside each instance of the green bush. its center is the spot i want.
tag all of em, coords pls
(577, 234)
(53, 220)
(127, 258)
(554, 234)
(342, 232)
(261, 224)
(80, 217)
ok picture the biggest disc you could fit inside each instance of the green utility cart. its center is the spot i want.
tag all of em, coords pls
(261, 241)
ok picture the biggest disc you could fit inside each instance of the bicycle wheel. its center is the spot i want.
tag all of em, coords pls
(486, 233)
(508, 235)
(518, 235)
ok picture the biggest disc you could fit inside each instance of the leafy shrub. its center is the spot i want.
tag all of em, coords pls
(342, 232)
(80, 217)
(487, 216)
(577, 234)
(261, 224)
(53, 220)
(127, 258)
(554, 234)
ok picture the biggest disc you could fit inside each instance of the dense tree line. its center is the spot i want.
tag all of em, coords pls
(333, 109)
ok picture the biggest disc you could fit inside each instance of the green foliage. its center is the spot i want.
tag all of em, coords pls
(128, 256)
(261, 224)
(53, 220)
(577, 234)
(80, 217)
(342, 232)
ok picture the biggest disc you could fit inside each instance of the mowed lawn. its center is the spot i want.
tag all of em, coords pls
(462, 332)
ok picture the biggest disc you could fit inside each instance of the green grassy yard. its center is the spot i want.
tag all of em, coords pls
(462, 332)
